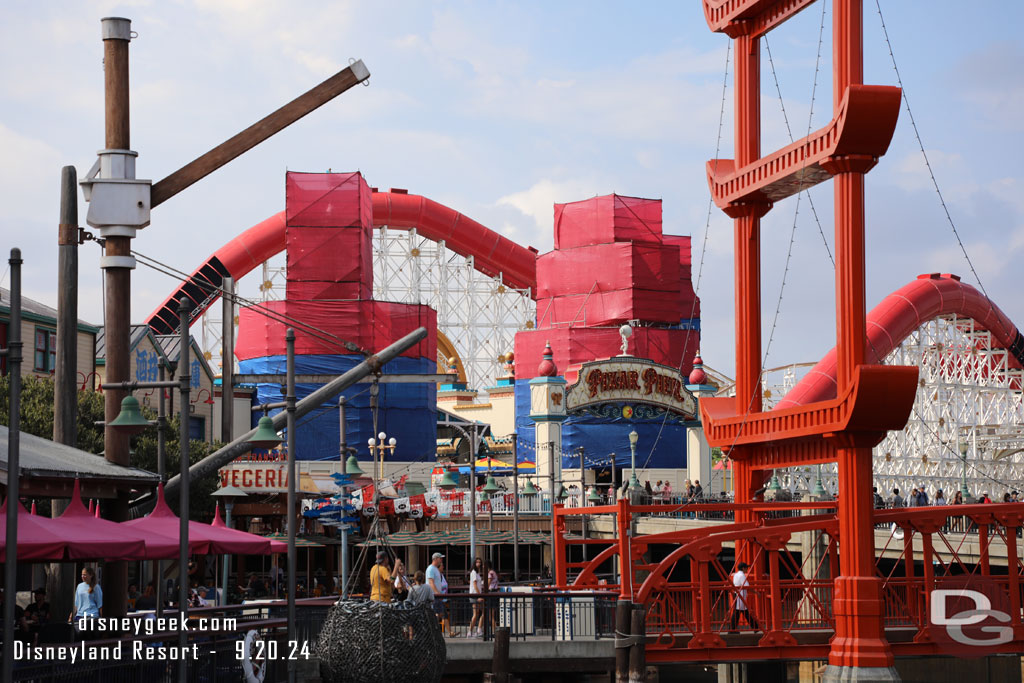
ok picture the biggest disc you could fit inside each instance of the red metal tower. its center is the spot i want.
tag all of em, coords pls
(870, 399)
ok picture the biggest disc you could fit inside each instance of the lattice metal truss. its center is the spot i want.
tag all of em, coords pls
(479, 314)
(967, 424)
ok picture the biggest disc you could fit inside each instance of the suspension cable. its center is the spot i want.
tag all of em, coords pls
(704, 243)
(924, 154)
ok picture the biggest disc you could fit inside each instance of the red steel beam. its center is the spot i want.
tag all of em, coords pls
(863, 126)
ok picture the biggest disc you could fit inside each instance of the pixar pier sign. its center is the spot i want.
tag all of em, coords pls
(630, 380)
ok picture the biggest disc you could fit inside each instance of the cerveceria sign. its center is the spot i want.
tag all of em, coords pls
(631, 380)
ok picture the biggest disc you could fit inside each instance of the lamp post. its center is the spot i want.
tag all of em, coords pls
(130, 421)
(473, 447)
(634, 483)
(490, 488)
(13, 354)
(351, 468)
(515, 508)
(229, 494)
(819, 492)
(377, 447)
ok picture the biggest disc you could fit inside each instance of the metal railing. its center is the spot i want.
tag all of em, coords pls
(549, 615)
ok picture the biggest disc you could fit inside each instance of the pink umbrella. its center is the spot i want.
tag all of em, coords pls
(89, 538)
(203, 538)
(36, 538)
(218, 523)
(78, 524)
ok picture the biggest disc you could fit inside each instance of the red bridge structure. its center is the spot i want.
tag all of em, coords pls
(844, 600)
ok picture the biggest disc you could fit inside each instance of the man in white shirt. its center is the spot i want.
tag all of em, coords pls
(740, 583)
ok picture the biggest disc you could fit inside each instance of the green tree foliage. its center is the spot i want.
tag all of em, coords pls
(37, 411)
(144, 448)
(37, 401)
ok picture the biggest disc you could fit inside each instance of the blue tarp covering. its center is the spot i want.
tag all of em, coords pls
(407, 412)
(601, 436)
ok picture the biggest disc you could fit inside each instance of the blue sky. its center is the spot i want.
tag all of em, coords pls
(500, 109)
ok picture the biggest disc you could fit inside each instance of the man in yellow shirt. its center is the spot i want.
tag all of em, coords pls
(380, 579)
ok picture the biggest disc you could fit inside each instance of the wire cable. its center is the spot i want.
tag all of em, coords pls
(927, 163)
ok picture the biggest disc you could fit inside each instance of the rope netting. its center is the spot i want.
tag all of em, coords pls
(372, 641)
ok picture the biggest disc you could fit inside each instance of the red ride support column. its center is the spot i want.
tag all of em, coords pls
(747, 241)
(860, 639)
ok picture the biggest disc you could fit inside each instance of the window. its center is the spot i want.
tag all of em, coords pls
(46, 350)
(197, 428)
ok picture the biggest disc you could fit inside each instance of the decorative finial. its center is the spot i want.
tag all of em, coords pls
(626, 331)
(547, 366)
(697, 375)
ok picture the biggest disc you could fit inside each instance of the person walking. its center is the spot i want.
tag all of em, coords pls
(740, 583)
(940, 498)
(438, 586)
(88, 600)
(380, 579)
(476, 587)
(897, 499)
(493, 586)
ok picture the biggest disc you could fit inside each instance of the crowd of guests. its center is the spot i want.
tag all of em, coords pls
(918, 497)
(430, 587)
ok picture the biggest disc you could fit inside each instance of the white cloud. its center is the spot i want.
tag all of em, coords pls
(539, 199)
(911, 172)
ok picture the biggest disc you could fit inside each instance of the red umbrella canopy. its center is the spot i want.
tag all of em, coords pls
(202, 538)
(89, 538)
(86, 532)
(36, 538)
(219, 524)
(162, 521)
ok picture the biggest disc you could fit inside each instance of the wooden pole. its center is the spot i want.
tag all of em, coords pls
(65, 373)
(623, 612)
(61, 579)
(117, 266)
(637, 653)
(499, 661)
(258, 132)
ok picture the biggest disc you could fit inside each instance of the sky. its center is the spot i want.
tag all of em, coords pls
(501, 109)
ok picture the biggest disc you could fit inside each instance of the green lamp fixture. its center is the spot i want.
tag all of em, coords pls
(594, 496)
(448, 481)
(490, 488)
(819, 489)
(352, 467)
(130, 419)
(562, 493)
(529, 489)
(266, 436)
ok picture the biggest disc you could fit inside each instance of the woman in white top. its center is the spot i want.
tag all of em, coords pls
(401, 582)
(476, 587)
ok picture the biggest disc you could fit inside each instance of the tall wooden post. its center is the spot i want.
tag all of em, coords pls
(60, 584)
(117, 264)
